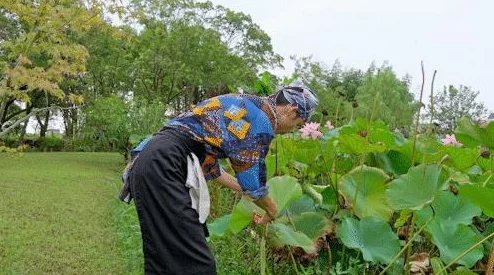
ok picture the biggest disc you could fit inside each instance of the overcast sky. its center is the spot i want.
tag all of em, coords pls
(454, 37)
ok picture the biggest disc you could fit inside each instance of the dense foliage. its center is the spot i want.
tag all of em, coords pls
(366, 188)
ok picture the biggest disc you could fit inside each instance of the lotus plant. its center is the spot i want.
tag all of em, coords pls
(451, 140)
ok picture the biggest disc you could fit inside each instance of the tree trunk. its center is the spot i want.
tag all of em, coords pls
(29, 108)
(68, 122)
(43, 125)
(3, 109)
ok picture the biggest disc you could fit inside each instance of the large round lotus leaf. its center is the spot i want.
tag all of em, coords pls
(302, 205)
(242, 215)
(416, 188)
(460, 158)
(483, 197)
(452, 210)
(284, 190)
(372, 236)
(453, 241)
(219, 227)
(427, 150)
(384, 136)
(312, 224)
(470, 134)
(369, 185)
(272, 160)
(486, 164)
(357, 145)
(394, 162)
(306, 151)
(280, 234)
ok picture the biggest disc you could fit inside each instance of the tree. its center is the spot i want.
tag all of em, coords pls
(39, 56)
(335, 87)
(382, 96)
(454, 103)
(111, 122)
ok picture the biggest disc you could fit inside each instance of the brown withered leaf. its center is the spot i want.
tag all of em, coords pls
(420, 263)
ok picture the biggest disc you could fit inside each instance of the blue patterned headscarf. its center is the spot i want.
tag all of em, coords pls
(297, 94)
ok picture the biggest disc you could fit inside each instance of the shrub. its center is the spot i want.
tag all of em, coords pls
(50, 143)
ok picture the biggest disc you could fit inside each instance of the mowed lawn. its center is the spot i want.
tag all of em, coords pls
(58, 214)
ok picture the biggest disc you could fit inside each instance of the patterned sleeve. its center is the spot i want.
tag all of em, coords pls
(251, 171)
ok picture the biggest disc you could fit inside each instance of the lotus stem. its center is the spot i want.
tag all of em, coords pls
(409, 250)
(263, 250)
(432, 101)
(293, 260)
(466, 252)
(487, 180)
(417, 120)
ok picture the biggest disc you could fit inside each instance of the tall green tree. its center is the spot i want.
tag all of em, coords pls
(383, 96)
(452, 103)
(335, 87)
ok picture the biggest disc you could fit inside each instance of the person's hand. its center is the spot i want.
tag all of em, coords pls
(261, 219)
(256, 217)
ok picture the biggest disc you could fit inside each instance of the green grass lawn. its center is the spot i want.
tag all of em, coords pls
(58, 214)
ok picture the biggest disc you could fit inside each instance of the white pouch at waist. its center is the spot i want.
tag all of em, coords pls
(199, 193)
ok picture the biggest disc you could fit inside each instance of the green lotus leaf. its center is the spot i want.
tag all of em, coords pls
(357, 145)
(437, 266)
(329, 199)
(451, 210)
(394, 162)
(486, 164)
(453, 241)
(343, 164)
(483, 197)
(280, 234)
(384, 136)
(312, 224)
(306, 151)
(284, 190)
(372, 236)
(460, 158)
(472, 135)
(302, 205)
(416, 188)
(347, 130)
(242, 215)
(219, 227)
(364, 187)
(272, 160)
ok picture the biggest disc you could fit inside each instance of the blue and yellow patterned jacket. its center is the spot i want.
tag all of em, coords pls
(237, 127)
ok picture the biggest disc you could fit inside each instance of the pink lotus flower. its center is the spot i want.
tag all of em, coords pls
(240, 91)
(311, 129)
(484, 123)
(329, 125)
(451, 139)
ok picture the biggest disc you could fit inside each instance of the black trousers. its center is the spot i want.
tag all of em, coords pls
(174, 241)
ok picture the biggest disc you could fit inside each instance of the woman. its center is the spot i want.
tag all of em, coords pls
(171, 206)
